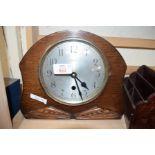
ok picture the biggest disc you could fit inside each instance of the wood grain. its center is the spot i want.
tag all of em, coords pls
(99, 113)
(67, 124)
(120, 42)
(48, 112)
(112, 96)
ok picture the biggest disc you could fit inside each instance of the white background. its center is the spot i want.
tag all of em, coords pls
(80, 12)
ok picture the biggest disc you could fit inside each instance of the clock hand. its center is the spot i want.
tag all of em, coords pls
(80, 94)
(83, 84)
(73, 75)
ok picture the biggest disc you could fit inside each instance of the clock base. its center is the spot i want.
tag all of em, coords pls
(94, 113)
(19, 122)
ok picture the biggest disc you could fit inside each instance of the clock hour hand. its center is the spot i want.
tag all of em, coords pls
(80, 94)
(83, 84)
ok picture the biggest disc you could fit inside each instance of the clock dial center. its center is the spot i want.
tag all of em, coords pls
(74, 75)
(73, 87)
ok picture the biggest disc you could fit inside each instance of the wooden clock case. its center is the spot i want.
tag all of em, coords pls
(109, 105)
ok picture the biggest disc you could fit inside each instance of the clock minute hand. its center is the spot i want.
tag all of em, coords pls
(73, 75)
(80, 94)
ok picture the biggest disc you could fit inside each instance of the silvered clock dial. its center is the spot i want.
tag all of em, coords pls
(73, 72)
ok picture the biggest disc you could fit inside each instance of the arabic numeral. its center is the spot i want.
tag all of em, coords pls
(49, 73)
(62, 92)
(99, 74)
(94, 85)
(95, 62)
(86, 52)
(74, 49)
(53, 61)
(53, 84)
(85, 93)
(60, 51)
(73, 95)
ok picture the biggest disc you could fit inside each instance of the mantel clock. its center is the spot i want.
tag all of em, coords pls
(72, 75)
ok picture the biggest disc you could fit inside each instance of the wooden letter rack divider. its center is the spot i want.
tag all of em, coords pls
(140, 105)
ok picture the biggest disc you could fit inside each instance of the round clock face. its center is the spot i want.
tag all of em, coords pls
(73, 72)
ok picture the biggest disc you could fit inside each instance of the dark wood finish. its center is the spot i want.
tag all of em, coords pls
(120, 42)
(140, 105)
(48, 112)
(131, 69)
(98, 113)
(144, 116)
(111, 97)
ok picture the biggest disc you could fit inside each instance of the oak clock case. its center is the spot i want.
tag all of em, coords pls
(72, 75)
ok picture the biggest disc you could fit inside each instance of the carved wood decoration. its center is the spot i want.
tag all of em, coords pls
(108, 105)
(98, 113)
(48, 112)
